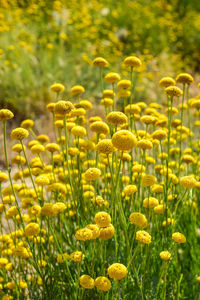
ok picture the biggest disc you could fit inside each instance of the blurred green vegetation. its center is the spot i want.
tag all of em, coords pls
(43, 42)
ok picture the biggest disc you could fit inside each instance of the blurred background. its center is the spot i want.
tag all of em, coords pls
(42, 42)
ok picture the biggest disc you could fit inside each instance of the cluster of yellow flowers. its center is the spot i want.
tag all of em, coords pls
(132, 169)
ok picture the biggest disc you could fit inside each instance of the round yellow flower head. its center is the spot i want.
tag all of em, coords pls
(116, 118)
(123, 93)
(138, 219)
(108, 94)
(50, 107)
(159, 134)
(123, 84)
(124, 140)
(179, 238)
(86, 282)
(107, 102)
(18, 148)
(198, 279)
(19, 133)
(150, 202)
(100, 127)
(6, 114)
(132, 61)
(84, 234)
(184, 78)
(77, 256)
(3, 262)
(27, 124)
(148, 180)
(95, 230)
(47, 210)
(144, 144)
(102, 283)
(78, 131)
(132, 109)
(107, 233)
(188, 182)
(166, 81)
(92, 174)
(36, 149)
(147, 119)
(52, 147)
(102, 219)
(143, 237)
(117, 271)
(112, 77)
(159, 209)
(105, 147)
(165, 255)
(57, 87)
(77, 90)
(3, 177)
(63, 107)
(100, 62)
(130, 189)
(173, 91)
(32, 229)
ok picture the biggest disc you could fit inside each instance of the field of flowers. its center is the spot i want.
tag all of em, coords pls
(109, 207)
(99, 150)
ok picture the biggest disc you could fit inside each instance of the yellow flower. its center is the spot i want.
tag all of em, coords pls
(144, 144)
(36, 149)
(132, 61)
(123, 84)
(166, 81)
(95, 230)
(102, 283)
(78, 131)
(112, 77)
(150, 202)
(100, 127)
(124, 140)
(165, 255)
(173, 91)
(143, 237)
(148, 180)
(47, 209)
(19, 133)
(92, 174)
(179, 238)
(159, 134)
(130, 189)
(100, 62)
(184, 78)
(86, 282)
(159, 209)
(3, 262)
(6, 114)
(188, 182)
(52, 147)
(105, 147)
(77, 256)
(138, 219)
(57, 87)
(102, 219)
(77, 90)
(117, 271)
(3, 177)
(32, 229)
(116, 118)
(27, 124)
(107, 102)
(108, 94)
(63, 107)
(84, 234)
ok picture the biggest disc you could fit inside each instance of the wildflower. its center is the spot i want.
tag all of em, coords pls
(102, 219)
(47, 209)
(165, 255)
(117, 271)
(148, 180)
(188, 182)
(159, 209)
(77, 90)
(57, 87)
(159, 134)
(144, 144)
(95, 230)
(52, 147)
(132, 61)
(32, 229)
(124, 84)
(116, 118)
(100, 127)
(166, 81)
(173, 91)
(124, 140)
(3, 177)
(112, 77)
(102, 283)
(105, 147)
(50, 107)
(132, 109)
(130, 189)
(150, 202)
(179, 238)
(108, 94)
(143, 237)
(84, 234)
(77, 256)
(107, 102)
(86, 282)
(138, 219)
(6, 114)
(147, 119)
(19, 133)
(92, 174)
(100, 62)
(63, 107)
(184, 78)
(3, 262)
(78, 131)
